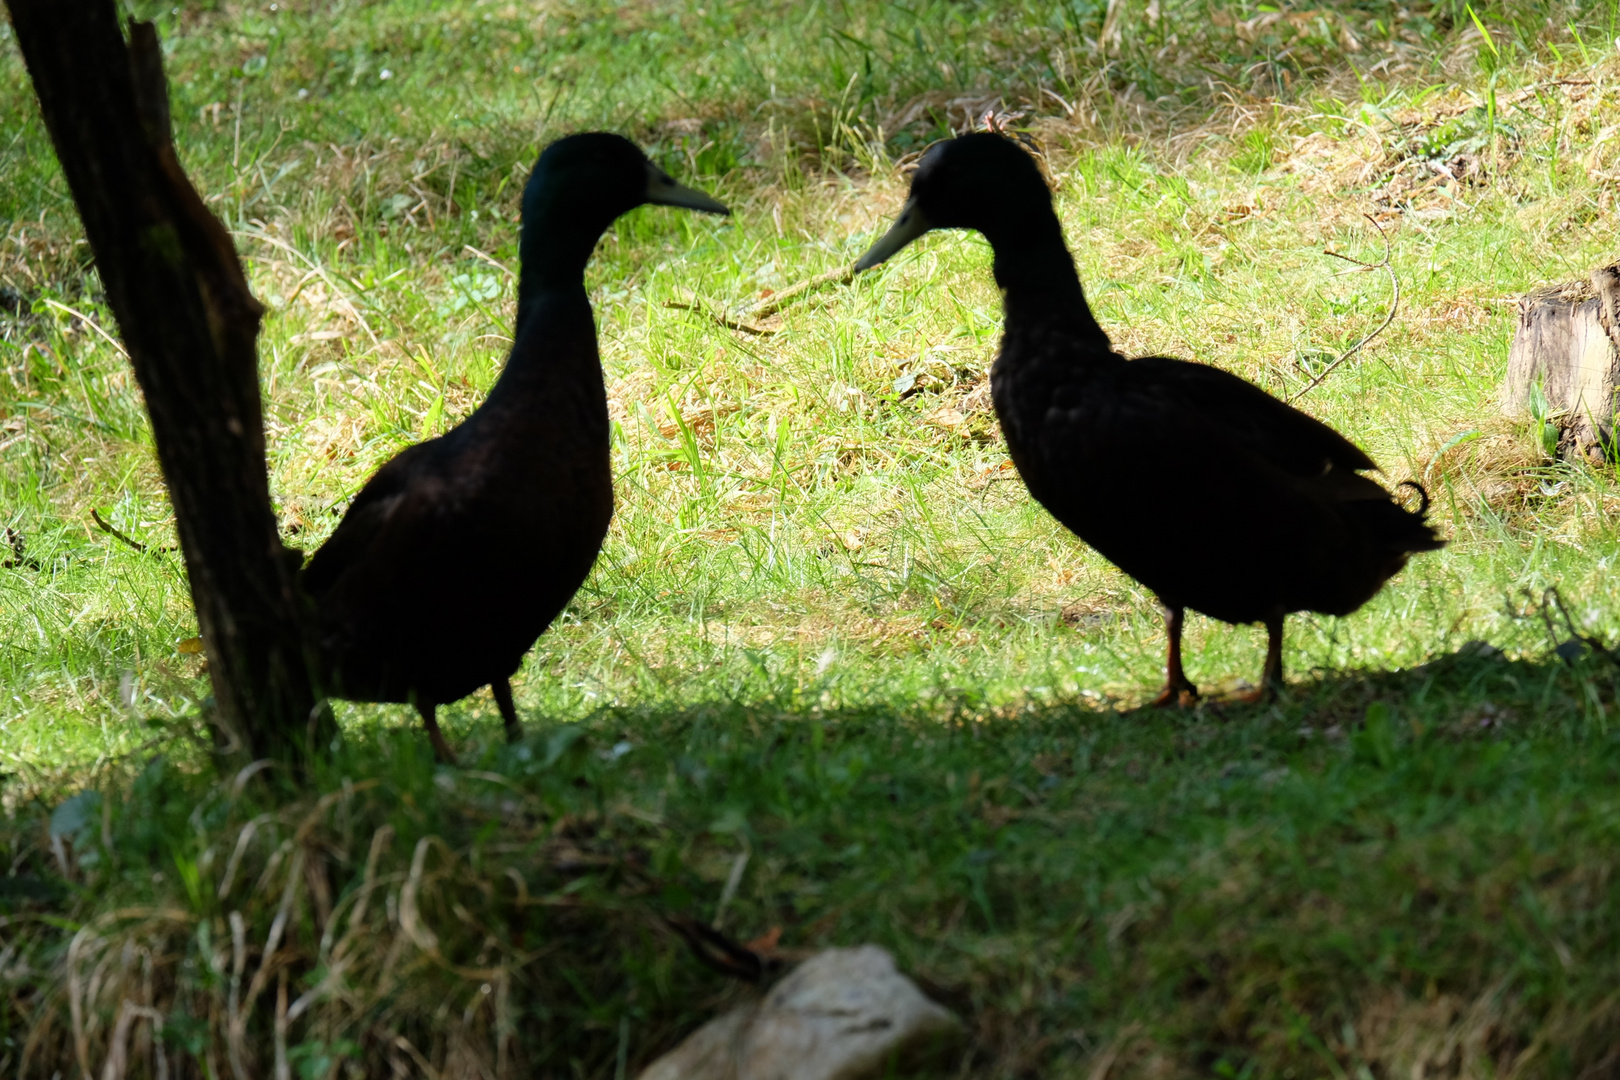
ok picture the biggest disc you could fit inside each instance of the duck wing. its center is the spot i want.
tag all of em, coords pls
(1216, 495)
(1280, 434)
(384, 505)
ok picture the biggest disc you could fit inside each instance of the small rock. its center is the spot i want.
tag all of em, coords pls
(841, 1015)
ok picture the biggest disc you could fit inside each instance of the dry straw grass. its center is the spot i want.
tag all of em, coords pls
(371, 933)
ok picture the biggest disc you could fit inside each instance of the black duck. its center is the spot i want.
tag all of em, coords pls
(1200, 485)
(461, 550)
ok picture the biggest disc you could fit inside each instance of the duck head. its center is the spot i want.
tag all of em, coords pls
(983, 181)
(600, 175)
(579, 186)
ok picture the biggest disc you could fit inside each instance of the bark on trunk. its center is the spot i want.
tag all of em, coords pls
(186, 315)
(1564, 367)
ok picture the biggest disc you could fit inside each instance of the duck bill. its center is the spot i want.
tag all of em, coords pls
(907, 227)
(662, 190)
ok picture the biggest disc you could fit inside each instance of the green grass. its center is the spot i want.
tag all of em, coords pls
(830, 628)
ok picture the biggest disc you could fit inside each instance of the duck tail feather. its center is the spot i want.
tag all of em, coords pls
(1423, 496)
(1390, 527)
(1422, 536)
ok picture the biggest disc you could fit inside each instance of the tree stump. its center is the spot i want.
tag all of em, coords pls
(1564, 367)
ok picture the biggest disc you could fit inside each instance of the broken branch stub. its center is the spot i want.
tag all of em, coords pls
(190, 325)
(1564, 366)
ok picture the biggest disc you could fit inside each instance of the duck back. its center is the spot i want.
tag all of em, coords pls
(1207, 490)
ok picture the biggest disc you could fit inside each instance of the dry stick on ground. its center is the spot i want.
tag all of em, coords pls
(842, 276)
(748, 321)
(492, 260)
(691, 302)
(111, 530)
(189, 323)
(1394, 306)
(717, 951)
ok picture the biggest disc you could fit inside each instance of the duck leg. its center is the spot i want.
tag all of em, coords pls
(441, 749)
(1272, 677)
(502, 689)
(1178, 689)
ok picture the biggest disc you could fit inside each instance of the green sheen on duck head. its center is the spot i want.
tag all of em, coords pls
(983, 181)
(579, 186)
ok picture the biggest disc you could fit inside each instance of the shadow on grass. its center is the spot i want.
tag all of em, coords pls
(1386, 871)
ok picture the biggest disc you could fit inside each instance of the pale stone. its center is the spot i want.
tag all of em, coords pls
(841, 1015)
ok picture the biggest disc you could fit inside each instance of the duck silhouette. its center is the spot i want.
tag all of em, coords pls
(1198, 484)
(461, 550)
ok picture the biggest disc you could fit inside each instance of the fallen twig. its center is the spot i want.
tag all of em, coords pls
(778, 301)
(92, 324)
(692, 303)
(107, 527)
(749, 322)
(492, 260)
(1394, 306)
(717, 951)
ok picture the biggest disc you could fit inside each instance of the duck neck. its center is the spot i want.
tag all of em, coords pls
(547, 273)
(1037, 277)
(553, 348)
(556, 243)
(555, 331)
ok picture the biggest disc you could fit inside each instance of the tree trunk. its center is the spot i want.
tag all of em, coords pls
(189, 322)
(1564, 367)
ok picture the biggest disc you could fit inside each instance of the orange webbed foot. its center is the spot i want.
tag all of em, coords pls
(1183, 696)
(1260, 695)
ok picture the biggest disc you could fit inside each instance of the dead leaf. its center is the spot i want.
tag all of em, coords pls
(766, 943)
(982, 479)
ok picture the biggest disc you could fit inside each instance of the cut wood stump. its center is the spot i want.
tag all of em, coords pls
(1564, 367)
